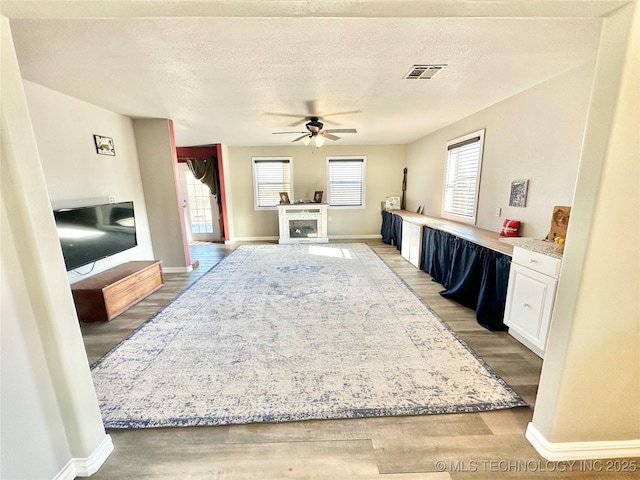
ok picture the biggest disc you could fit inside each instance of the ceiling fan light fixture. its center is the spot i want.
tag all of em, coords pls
(319, 141)
(306, 140)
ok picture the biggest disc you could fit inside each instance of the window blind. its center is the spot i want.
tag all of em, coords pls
(346, 182)
(271, 177)
(461, 178)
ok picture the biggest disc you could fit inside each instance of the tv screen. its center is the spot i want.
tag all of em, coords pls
(88, 234)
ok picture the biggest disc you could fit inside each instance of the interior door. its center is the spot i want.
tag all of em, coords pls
(202, 216)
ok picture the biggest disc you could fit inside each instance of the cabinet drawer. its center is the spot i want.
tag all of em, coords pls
(118, 287)
(117, 304)
(536, 261)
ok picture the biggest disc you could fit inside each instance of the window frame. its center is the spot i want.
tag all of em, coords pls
(338, 158)
(450, 145)
(282, 159)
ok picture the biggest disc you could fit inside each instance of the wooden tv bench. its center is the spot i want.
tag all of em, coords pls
(109, 293)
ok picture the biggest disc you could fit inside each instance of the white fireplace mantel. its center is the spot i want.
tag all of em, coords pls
(303, 223)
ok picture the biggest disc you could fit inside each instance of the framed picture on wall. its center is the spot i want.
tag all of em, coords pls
(317, 197)
(104, 145)
(518, 197)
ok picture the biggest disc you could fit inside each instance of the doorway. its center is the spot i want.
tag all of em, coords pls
(202, 214)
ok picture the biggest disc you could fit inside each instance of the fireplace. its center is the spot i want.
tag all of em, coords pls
(303, 223)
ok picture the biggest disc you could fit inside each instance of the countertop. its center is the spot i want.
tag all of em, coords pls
(544, 247)
(486, 238)
(479, 236)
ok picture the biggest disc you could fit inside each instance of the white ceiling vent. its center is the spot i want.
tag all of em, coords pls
(424, 72)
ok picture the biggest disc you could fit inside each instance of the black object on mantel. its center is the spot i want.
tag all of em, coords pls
(403, 203)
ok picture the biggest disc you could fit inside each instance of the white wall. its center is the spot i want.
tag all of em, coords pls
(383, 177)
(76, 175)
(590, 384)
(158, 165)
(535, 135)
(32, 425)
(50, 420)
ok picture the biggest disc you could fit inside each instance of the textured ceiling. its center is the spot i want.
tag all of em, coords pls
(224, 79)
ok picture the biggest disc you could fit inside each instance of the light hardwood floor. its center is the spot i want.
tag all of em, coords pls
(478, 446)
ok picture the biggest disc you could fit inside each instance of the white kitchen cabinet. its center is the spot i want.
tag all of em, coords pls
(411, 242)
(533, 279)
(406, 240)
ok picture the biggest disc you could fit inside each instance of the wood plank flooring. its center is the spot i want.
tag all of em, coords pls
(394, 448)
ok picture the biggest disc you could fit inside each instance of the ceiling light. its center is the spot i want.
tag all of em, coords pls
(319, 140)
(306, 140)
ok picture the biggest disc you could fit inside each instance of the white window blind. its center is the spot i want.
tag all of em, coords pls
(346, 182)
(462, 176)
(271, 176)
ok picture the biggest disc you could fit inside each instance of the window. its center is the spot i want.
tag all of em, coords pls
(462, 177)
(270, 177)
(346, 177)
(199, 202)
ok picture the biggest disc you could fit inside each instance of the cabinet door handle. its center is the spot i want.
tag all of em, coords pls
(532, 260)
(526, 305)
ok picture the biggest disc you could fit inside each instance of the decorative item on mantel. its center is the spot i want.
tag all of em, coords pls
(559, 224)
(284, 198)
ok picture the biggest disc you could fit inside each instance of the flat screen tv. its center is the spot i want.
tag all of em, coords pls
(89, 234)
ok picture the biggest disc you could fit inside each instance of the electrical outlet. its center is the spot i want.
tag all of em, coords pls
(112, 199)
(498, 211)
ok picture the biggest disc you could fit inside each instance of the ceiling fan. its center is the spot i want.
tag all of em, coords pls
(316, 132)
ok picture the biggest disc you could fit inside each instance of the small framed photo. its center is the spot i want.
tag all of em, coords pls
(104, 145)
(518, 197)
(284, 198)
(317, 197)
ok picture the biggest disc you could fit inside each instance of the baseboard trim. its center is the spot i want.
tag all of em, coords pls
(354, 237)
(275, 239)
(581, 450)
(87, 466)
(186, 269)
(255, 239)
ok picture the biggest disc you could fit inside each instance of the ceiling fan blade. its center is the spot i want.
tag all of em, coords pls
(299, 122)
(332, 121)
(278, 114)
(341, 113)
(342, 130)
(278, 133)
(311, 108)
(300, 138)
(329, 135)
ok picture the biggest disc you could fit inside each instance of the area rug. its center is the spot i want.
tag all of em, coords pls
(279, 333)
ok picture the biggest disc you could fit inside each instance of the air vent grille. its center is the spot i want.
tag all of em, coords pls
(424, 72)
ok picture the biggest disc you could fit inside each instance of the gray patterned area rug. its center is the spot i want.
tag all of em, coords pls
(279, 333)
